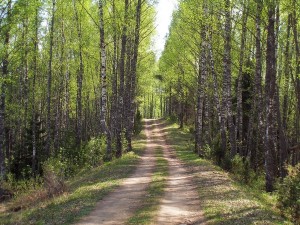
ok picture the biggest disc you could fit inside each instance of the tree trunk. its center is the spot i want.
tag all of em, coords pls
(5, 73)
(255, 127)
(283, 125)
(26, 70)
(104, 126)
(35, 71)
(114, 83)
(239, 117)
(170, 101)
(56, 141)
(227, 101)
(79, 78)
(200, 93)
(270, 92)
(214, 77)
(287, 76)
(49, 82)
(128, 92)
(297, 81)
(283, 144)
(121, 85)
(180, 91)
(224, 112)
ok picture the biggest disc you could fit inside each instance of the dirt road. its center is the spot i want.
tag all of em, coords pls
(180, 204)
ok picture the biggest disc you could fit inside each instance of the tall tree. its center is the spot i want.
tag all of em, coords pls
(35, 73)
(114, 82)
(239, 117)
(121, 82)
(201, 86)
(297, 77)
(5, 73)
(49, 80)
(79, 76)
(105, 128)
(133, 76)
(227, 98)
(255, 131)
(270, 92)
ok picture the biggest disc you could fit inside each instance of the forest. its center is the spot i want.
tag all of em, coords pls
(79, 76)
(232, 69)
(69, 74)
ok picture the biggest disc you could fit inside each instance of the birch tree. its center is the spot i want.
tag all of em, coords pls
(103, 115)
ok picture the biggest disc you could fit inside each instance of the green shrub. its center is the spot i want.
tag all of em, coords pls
(94, 151)
(208, 152)
(138, 126)
(19, 186)
(173, 118)
(54, 176)
(226, 162)
(240, 167)
(192, 130)
(289, 194)
(70, 158)
(217, 153)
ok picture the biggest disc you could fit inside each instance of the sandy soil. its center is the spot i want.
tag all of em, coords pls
(180, 204)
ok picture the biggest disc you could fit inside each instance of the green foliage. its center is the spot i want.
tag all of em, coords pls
(54, 176)
(173, 118)
(289, 194)
(85, 189)
(224, 201)
(21, 162)
(138, 125)
(226, 162)
(240, 167)
(217, 153)
(18, 187)
(88, 155)
(208, 152)
(28, 31)
(94, 151)
(192, 129)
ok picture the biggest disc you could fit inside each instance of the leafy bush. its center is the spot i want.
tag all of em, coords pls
(192, 130)
(217, 153)
(241, 169)
(54, 176)
(289, 194)
(208, 152)
(18, 186)
(173, 118)
(71, 158)
(138, 126)
(88, 155)
(94, 151)
(226, 162)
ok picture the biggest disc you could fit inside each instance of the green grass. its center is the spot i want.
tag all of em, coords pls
(84, 191)
(223, 199)
(146, 213)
